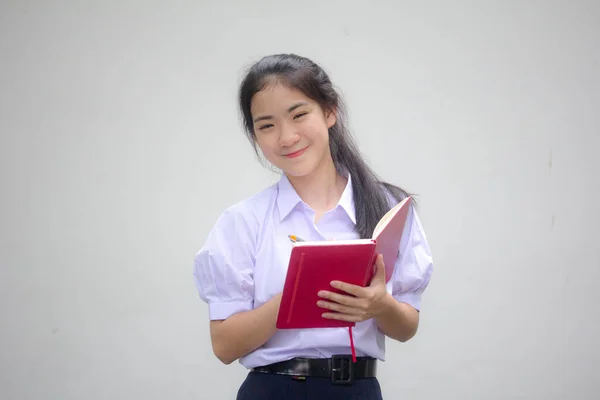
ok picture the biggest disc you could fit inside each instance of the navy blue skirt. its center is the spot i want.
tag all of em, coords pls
(258, 385)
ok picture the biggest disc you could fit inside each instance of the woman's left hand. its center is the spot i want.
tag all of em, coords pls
(361, 303)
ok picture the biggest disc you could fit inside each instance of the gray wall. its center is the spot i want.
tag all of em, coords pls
(120, 146)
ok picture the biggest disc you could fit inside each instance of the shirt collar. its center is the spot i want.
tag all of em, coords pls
(288, 199)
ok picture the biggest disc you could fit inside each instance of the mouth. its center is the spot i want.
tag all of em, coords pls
(295, 154)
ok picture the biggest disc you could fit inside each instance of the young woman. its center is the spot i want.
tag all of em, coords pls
(293, 114)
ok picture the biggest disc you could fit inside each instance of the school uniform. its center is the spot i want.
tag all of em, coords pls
(243, 264)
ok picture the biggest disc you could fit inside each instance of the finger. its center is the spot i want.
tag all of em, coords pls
(340, 298)
(379, 271)
(354, 290)
(340, 308)
(342, 317)
(379, 261)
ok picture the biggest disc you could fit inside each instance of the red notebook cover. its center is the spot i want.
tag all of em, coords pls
(313, 265)
(311, 269)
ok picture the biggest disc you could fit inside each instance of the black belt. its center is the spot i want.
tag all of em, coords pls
(339, 368)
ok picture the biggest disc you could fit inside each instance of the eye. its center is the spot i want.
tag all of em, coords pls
(297, 116)
(266, 126)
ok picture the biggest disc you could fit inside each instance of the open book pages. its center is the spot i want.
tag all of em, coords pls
(386, 218)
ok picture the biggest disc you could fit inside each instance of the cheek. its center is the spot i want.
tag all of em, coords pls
(319, 133)
(266, 147)
(262, 141)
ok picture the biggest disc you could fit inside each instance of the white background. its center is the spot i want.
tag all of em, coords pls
(121, 144)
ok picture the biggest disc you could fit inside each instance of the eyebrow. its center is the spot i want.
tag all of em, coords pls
(292, 108)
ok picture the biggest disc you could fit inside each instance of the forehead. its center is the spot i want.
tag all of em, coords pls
(276, 98)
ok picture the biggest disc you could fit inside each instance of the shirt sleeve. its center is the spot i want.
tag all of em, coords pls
(414, 265)
(224, 266)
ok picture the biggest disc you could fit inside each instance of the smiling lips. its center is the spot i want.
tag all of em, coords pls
(296, 154)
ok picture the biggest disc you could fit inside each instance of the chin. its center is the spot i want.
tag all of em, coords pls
(297, 171)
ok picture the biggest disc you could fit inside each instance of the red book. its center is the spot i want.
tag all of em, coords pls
(313, 265)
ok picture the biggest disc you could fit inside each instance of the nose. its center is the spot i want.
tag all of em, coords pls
(288, 136)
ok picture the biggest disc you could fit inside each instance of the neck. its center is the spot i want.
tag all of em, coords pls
(321, 190)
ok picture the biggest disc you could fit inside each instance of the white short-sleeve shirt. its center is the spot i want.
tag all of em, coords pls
(244, 260)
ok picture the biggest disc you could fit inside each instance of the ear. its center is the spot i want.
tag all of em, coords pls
(330, 117)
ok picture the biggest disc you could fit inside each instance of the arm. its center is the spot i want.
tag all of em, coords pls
(224, 275)
(398, 320)
(244, 332)
(412, 273)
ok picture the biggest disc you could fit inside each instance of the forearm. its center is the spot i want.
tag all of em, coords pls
(244, 332)
(398, 321)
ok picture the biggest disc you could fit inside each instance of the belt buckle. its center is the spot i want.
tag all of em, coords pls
(342, 370)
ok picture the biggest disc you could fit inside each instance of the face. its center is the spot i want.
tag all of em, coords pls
(291, 130)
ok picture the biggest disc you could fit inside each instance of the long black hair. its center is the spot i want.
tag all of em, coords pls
(371, 199)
